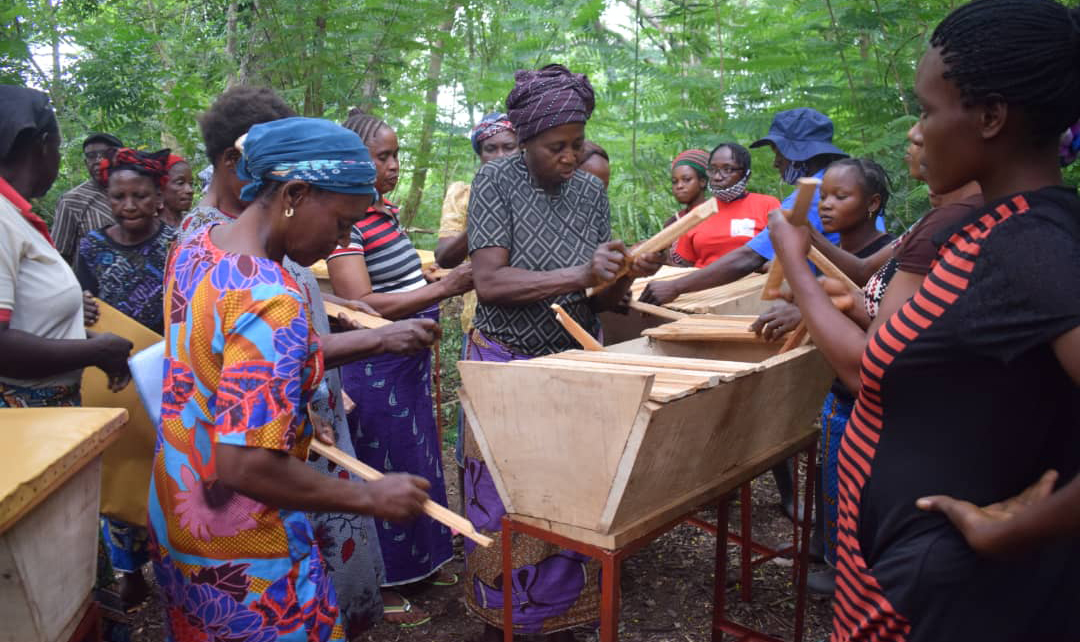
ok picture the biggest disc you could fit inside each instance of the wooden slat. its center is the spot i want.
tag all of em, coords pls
(797, 216)
(362, 318)
(662, 361)
(662, 390)
(436, 512)
(669, 374)
(656, 310)
(574, 328)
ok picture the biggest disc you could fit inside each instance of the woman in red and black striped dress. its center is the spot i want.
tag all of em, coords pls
(970, 390)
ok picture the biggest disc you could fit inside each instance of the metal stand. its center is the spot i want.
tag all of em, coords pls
(611, 559)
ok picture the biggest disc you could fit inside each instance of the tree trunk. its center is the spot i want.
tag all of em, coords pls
(431, 112)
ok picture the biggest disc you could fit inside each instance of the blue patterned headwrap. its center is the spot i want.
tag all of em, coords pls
(312, 150)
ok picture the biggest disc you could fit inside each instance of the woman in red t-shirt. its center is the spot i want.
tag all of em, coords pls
(741, 214)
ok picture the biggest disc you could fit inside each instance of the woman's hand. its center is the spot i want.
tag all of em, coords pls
(408, 336)
(324, 432)
(398, 497)
(606, 262)
(788, 240)
(777, 321)
(660, 292)
(646, 264)
(458, 281)
(988, 529)
(91, 312)
(360, 306)
(112, 356)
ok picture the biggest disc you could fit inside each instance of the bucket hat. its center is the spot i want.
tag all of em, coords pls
(800, 134)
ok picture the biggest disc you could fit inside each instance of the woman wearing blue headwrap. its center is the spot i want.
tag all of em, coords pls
(234, 553)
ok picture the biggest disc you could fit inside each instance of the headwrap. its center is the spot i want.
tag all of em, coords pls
(149, 164)
(733, 192)
(696, 159)
(312, 150)
(548, 98)
(489, 126)
(173, 160)
(21, 109)
(1070, 145)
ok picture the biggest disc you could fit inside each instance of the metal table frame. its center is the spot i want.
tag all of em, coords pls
(611, 559)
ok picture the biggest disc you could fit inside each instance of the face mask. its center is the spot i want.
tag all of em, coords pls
(735, 192)
(794, 171)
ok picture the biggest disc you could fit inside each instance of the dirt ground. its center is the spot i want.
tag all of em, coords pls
(666, 589)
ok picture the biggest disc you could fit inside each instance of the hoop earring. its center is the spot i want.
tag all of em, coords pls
(289, 212)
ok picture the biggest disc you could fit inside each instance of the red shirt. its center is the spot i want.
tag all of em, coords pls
(731, 227)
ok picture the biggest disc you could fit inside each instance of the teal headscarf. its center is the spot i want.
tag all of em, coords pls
(312, 150)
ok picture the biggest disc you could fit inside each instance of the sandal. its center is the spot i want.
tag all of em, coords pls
(452, 580)
(400, 609)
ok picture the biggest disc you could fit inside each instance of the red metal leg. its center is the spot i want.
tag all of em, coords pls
(610, 567)
(720, 577)
(746, 547)
(795, 518)
(802, 557)
(507, 579)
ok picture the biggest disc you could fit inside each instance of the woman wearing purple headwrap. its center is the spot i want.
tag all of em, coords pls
(539, 233)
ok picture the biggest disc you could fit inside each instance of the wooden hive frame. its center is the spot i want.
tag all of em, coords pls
(591, 453)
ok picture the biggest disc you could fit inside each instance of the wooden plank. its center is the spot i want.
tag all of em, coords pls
(797, 216)
(41, 448)
(829, 269)
(527, 419)
(656, 310)
(361, 318)
(662, 361)
(579, 333)
(672, 374)
(435, 511)
(127, 463)
(703, 333)
(663, 390)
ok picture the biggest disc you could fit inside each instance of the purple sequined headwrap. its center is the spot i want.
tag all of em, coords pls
(548, 98)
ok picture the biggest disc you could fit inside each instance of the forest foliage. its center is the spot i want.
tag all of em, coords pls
(669, 75)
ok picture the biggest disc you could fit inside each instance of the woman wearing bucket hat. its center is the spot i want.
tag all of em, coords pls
(801, 139)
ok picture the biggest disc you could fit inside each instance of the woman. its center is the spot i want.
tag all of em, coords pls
(234, 554)
(178, 192)
(689, 185)
(594, 160)
(537, 194)
(741, 215)
(801, 140)
(393, 424)
(348, 542)
(493, 138)
(986, 344)
(124, 265)
(42, 337)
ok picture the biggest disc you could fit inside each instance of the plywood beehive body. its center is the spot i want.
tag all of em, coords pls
(49, 499)
(592, 454)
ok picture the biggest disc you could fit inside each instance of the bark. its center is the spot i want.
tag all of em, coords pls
(431, 109)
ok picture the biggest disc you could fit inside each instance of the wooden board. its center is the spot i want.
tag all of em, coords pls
(706, 328)
(48, 561)
(40, 448)
(663, 361)
(322, 273)
(738, 297)
(126, 465)
(523, 440)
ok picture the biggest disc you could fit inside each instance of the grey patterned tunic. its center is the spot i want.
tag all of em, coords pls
(543, 233)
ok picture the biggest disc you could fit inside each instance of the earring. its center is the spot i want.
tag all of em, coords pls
(289, 212)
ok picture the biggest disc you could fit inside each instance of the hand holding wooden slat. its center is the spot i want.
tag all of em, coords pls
(664, 238)
(797, 216)
(579, 333)
(361, 318)
(436, 512)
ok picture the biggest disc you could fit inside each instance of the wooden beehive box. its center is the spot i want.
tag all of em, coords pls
(50, 480)
(602, 453)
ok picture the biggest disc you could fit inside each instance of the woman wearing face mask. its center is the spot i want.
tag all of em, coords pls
(801, 140)
(539, 233)
(741, 215)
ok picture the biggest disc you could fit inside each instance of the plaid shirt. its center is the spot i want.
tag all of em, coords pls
(80, 210)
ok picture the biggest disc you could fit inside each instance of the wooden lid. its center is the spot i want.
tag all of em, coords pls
(40, 448)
